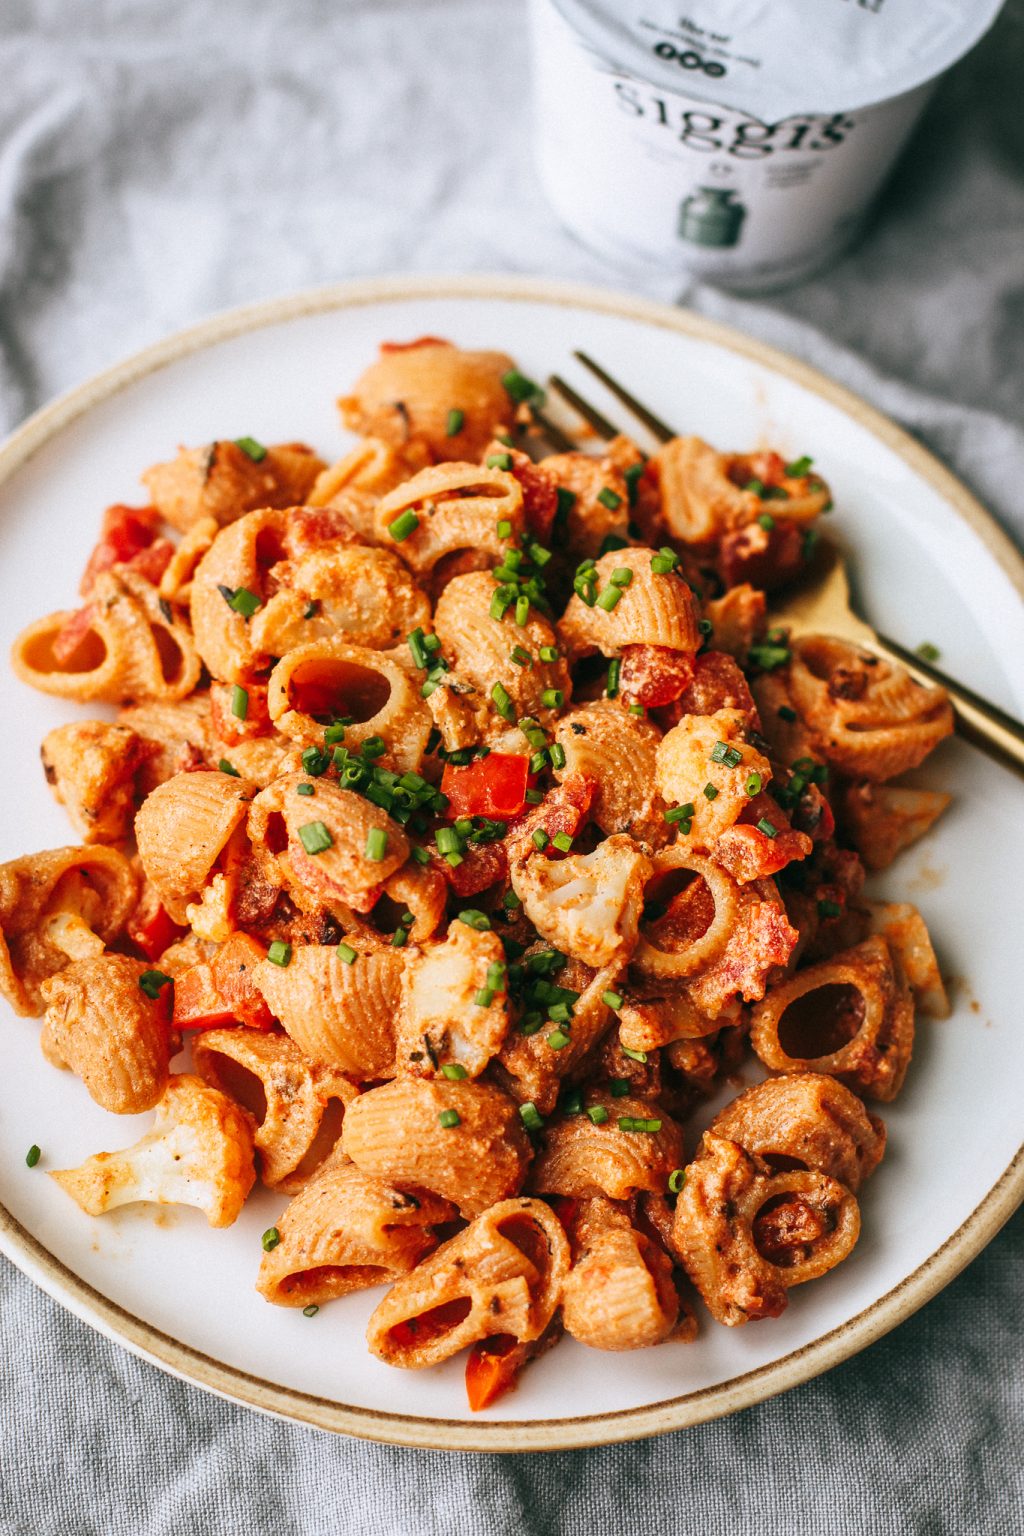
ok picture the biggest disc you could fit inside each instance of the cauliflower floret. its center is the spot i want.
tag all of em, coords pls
(199, 1152)
(453, 1004)
(588, 905)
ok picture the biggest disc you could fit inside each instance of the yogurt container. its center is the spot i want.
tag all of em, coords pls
(742, 140)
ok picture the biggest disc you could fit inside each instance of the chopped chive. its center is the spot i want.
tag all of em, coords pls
(785, 713)
(766, 521)
(755, 485)
(680, 813)
(608, 598)
(314, 762)
(399, 938)
(798, 468)
(522, 610)
(499, 461)
(448, 1118)
(496, 973)
(315, 837)
(151, 982)
(530, 1116)
(768, 657)
(32, 1156)
(618, 1087)
(376, 844)
(407, 522)
(270, 1239)
(710, 792)
(335, 732)
(538, 762)
(419, 855)
(510, 901)
(453, 426)
(454, 859)
(502, 702)
(632, 478)
(519, 387)
(454, 1071)
(244, 602)
(585, 590)
(612, 685)
(721, 752)
(609, 498)
(311, 609)
(597, 1114)
(664, 561)
(500, 602)
(705, 626)
(829, 909)
(637, 709)
(612, 1000)
(558, 1039)
(347, 953)
(927, 651)
(251, 448)
(534, 797)
(475, 919)
(418, 649)
(226, 767)
(767, 827)
(557, 754)
(548, 653)
(239, 702)
(311, 1310)
(566, 500)
(540, 839)
(530, 1023)
(640, 1056)
(572, 1101)
(447, 840)
(753, 784)
(676, 1180)
(621, 576)
(484, 998)
(279, 953)
(552, 698)
(809, 541)
(562, 841)
(504, 528)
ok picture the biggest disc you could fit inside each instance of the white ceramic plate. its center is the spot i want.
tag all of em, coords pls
(930, 565)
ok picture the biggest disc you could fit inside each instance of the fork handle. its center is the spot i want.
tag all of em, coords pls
(982, 723)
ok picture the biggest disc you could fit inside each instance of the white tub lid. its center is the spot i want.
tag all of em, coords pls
(773, 58)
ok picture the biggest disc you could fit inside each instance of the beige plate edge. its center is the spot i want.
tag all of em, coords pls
(550, 1434)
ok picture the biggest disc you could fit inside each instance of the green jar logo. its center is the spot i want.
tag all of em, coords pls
(711, 216)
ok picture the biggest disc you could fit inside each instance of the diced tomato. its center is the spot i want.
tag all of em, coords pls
(492, 1368)
(765, 558)
(125, 533)
(152, 929)
(750, 854)
(717, 683)
(564, 809)
(71, 634)
(653, 675)
(222, 991)
(540, 491)
(493, 786)
(769, 467)
(483, 864)
(410, 346)
(308, 528)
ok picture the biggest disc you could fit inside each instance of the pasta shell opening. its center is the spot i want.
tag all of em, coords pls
(171, 656)
(787, 1228)
(426, 1327)
(327, 1136)
(331, 687)
(242, 1085)
(64, 650)
(822, 1021)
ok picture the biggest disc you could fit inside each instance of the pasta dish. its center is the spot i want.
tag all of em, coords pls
(456, 811)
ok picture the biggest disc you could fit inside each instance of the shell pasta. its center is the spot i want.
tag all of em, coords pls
(452, 829)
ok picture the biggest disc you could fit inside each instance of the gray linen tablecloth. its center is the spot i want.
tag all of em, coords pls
(162, 160)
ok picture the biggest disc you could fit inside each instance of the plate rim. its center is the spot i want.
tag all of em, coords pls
(234, 1384)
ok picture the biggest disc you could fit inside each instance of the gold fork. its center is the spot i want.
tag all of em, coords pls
(819, 603)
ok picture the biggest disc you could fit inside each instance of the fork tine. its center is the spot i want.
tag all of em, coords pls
(654, 423)
(559, 440)
(601, 425)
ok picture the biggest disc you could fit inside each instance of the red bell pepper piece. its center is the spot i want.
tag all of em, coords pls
(153, 930)
(222, 991)
(493, 786)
